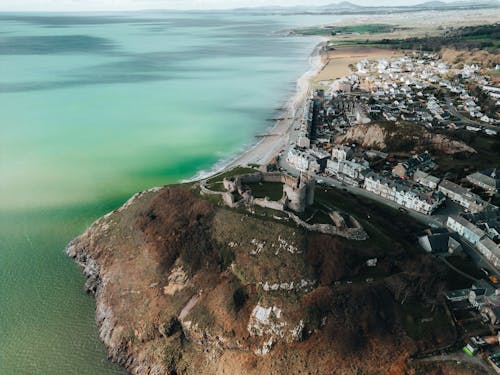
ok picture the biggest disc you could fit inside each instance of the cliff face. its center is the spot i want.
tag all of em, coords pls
(183, 286)
(402, 137)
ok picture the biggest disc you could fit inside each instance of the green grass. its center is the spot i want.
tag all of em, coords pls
(483, 38)
(385, 226)
(233, 172)
(373, 28)
(216, 186)
(272, 190)
(321, 217)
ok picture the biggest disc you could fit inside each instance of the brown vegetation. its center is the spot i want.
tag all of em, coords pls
(402, 137)
(202, 329)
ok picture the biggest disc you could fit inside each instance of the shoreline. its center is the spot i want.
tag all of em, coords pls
(276, 136)
(324, 65)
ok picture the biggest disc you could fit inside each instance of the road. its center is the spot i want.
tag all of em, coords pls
(434, 221)
(479, 259)
(455, 112)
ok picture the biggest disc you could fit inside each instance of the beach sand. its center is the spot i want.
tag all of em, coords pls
(277, 137)
(325, 66)
(338, 61)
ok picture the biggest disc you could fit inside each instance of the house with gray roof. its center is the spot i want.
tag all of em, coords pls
(425, 179)
(490, 249)
(465, 228)
(470, 201)
(487, 179)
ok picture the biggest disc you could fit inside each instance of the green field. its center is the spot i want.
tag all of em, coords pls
(272, 190)
(233, 172)
(374, 28)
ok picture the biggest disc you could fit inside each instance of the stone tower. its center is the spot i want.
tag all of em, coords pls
(310, 184)
(299, 192)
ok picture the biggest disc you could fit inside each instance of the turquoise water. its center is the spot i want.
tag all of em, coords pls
(94, 107)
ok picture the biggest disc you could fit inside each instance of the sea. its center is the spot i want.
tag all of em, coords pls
(97, 106)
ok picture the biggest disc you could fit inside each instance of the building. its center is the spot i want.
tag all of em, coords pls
(470, 201)
(490, 250)
(489, 221)
(342, 153)
(408, 167)
(465, 228)
(426, 179)
(349, 171)
(440, 243)
(299, 159)
(404, 193)
(487, 179)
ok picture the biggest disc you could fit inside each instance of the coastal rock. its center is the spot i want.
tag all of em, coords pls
(225, 314)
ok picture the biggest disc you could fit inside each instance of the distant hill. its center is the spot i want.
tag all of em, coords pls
(347, 7)
(343, 5)
(460, 4)
(433, 4)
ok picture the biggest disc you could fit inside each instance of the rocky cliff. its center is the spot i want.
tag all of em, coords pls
(402, 137)
(185, 286)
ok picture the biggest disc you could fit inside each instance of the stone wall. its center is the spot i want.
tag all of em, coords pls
(250, 178)
(266, 203)
(273, 177)
(337, 219)
(357, 234)
(297, 193)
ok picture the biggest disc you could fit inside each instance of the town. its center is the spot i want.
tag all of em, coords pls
(460, 211)
(411, 137)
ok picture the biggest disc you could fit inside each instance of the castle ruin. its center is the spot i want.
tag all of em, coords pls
(298, 192)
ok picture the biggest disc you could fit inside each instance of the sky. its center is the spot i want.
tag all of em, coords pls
(89, 5)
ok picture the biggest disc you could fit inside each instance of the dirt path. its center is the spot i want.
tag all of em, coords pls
(189, 306)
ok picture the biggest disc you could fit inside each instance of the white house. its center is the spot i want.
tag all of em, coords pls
(465, 228)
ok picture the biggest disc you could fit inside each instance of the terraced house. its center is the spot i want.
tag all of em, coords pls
(404, 193)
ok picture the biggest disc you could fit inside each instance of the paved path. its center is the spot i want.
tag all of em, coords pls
(457, 270)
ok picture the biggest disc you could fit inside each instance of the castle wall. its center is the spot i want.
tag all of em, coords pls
(311, 186)
(250, 178)
(272, 177)
(230, 184)
(274, 205)
(337, 219)
(350, 233)
(299, 193)
(296, 194)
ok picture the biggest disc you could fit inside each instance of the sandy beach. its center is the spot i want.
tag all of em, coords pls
(324, 66)
(277, 137)
(338, 61)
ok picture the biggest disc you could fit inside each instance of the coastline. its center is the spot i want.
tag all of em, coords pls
(276, 136)
(324, 65)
